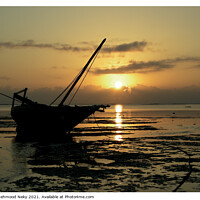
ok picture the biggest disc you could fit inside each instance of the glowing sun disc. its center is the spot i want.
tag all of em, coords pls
(118, 85)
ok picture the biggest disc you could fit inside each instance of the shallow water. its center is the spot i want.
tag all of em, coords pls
(128, 148)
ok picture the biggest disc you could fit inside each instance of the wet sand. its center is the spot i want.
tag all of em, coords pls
(147, 154)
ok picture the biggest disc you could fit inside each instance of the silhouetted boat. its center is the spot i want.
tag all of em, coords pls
(42, 122)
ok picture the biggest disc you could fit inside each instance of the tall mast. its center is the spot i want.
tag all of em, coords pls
(81, 73)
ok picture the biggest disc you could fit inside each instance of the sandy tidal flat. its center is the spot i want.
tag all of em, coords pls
(124, 150)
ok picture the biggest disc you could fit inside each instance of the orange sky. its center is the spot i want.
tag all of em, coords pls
(45, 47)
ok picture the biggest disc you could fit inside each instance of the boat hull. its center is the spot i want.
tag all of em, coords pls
(42, 122)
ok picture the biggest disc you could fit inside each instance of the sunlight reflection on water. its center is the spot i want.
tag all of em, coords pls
(118, 108)
(118, 138)
(118, 122)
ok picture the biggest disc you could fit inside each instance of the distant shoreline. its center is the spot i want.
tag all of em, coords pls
(130, 104)
(158, 104)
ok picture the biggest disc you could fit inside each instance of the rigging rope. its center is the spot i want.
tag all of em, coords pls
(83, 78)
(8, 97)
(77, 78)
(65, 89)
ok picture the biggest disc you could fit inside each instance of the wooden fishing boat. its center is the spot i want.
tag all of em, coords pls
(37, 121)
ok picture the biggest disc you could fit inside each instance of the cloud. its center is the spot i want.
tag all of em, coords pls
(4, 78)
(97, 95)
(146, 67)
(126, 47)
(183, 59)
(139, 94)
(197, 66)
(58, 67)
(33, 44)
(148, 95)
(137, 67)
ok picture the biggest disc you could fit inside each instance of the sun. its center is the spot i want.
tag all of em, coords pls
(118, 84)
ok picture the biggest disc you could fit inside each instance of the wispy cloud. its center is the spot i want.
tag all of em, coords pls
(4, 78)
(125, 47)
(184, 59)
(58, 67)
(146, 67)
(137, 67)
(33, 44)
(133, 46)
(197, 66)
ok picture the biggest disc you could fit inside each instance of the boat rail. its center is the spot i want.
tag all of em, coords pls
(23, 99)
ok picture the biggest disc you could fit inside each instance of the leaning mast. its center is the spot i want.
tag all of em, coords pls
(81, 73)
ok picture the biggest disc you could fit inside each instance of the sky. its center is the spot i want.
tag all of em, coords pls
(152, 51)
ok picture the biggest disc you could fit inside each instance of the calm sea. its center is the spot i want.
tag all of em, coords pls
(127, 148)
